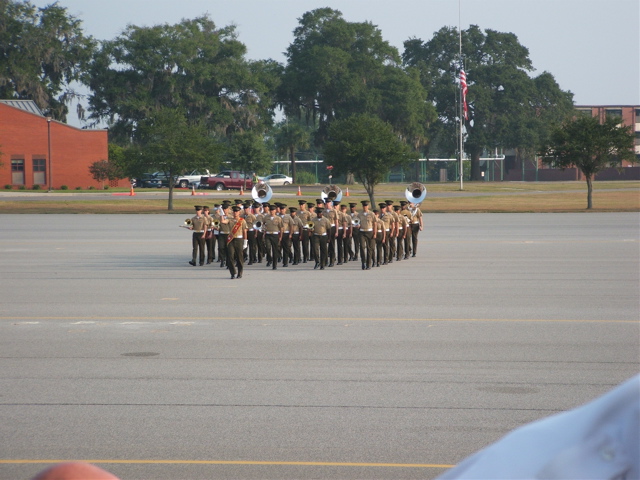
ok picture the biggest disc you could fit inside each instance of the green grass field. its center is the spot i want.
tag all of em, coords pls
(623, 196)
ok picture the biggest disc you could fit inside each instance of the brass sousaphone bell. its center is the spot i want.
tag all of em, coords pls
(331, 192)
(261, 192)
(415, 192)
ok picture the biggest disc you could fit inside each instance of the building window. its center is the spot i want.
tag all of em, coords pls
(17, 171)
(39, 170)
(614, 112)
(637, 115)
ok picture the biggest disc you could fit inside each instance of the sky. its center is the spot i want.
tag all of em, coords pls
(591, 47)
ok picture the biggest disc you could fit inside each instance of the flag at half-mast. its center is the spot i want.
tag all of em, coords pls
(463, 89)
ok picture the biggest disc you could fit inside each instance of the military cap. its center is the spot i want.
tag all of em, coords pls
(226, 202)
(238, 201)
(272, 207)
(319, 210)
(311, 205)
(256, 205)
(336, 204)
(403, 202)
(396, 208)
(204, 207)
(198, 207)
(389, 202)
(301, 202)
(364, 202)
(382, 205)
(319, 200)
(293, 209)
(236, 208)
(265, 204)
(352, 205)
(376, 210)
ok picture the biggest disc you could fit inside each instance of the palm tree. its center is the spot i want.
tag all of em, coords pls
(289, 137)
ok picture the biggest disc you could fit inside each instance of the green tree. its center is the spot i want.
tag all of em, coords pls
(167, 142)
(42, 52)
(587, 144)
(194, 66)
(247, 153)
(337, 68)
(289, 137)
(103, 170)
(367, 147)
(508, 109)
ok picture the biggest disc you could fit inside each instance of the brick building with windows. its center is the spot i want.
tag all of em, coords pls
(36, 150)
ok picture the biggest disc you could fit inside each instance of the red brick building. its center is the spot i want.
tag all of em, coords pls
(39, 151)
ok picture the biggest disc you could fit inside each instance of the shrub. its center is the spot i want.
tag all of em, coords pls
(8, 187)
(36, 187)
(106, 187)
(78, 188)
(64, 187)
(92, 187)
(305, 178)
(22, 187)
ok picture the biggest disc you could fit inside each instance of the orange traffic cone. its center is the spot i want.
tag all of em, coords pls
(193, 190)
(241, 191)
(346, 194)
(299, 194)
(132, 193)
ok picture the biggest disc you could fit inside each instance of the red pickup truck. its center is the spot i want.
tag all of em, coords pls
(227, 179)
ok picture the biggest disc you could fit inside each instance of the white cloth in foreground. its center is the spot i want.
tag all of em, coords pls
(599, 440)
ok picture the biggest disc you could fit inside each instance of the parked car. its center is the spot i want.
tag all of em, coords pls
(227, 179)
(192, 178)
(277, 179)
(152, 180)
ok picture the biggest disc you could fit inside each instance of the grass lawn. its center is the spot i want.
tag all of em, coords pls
(622, 196)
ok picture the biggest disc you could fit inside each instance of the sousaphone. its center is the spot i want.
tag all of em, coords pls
(331, 192)
(261, 192)
(415, 192)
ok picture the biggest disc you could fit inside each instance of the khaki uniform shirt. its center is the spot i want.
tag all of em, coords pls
(240, 232)
(224, 227)
(416, 215)
(386, 218)
(367, 221)
(287, 223)
(199, 224)
(273, 224)
(297, 225)
(250, 218)
(332, 216)
(321, 226)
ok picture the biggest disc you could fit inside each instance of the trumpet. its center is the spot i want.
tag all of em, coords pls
(187, 224)
(331, 192)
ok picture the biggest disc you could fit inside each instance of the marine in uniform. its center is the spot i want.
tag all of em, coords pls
(209, 239)
(235, 242)
(273, 235)
(416, 227)
(304, 216)
(367, 236)
(353, 243)
(199, 227)
(250, 219)
(319, 240)
(331, 215)
(404, 211)
(296, 233)
(393, 232)
(341, 230)
(402, 228)
(287, 225)
(381, 236)
(223, 233)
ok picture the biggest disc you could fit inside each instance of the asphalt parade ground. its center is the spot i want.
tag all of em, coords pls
(114, 350)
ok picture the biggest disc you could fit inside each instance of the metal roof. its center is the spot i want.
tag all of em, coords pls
(26, 105)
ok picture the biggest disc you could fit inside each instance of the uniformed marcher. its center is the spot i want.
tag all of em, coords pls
(354, 233)
(407, 238)
(296, 232)
(319, 239)
(235, 242)
(402, 228)
(250, 219)
(387, 221)
(381, 232)
(273, 235)
(223, 234)
(367, 236)
(331, 215)
(199, 227)
(285, 244)
(416, 226)
(393, 232)
(305, 216)
(341, 230)
(209, 238)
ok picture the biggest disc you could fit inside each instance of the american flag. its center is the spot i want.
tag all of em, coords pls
(463, 87)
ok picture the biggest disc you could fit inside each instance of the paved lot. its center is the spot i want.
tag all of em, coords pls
(114, 349)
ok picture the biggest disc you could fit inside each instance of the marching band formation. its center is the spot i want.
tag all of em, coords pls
(326, 232)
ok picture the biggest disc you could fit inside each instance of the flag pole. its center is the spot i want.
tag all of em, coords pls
(461, 99)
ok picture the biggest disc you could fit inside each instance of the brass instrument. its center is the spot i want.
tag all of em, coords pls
(258, 225)
(331, 192)
(216, 224)
(415, 193)
(187, 224)
(355, 222)
(261, 192)
(309, 225)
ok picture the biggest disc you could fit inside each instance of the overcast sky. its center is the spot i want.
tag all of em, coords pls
(592, 47)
